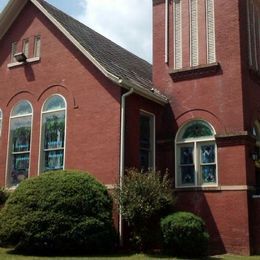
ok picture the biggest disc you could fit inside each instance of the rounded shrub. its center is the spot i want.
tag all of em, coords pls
(184, 234)
(59, 212)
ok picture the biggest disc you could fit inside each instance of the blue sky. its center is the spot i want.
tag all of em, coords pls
(128, 23)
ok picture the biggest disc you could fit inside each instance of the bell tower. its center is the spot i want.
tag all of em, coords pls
(206, 59)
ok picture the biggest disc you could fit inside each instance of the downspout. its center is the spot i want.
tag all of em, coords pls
(122, 156)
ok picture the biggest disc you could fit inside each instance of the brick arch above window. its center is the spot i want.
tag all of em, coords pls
(59, 89)
(21, 95)
(203, 114)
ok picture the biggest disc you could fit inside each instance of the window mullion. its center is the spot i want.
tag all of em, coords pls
(195, 162)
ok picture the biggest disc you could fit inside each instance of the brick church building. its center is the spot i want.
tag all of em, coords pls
(70, 98)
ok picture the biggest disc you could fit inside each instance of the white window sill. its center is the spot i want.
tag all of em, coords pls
(30, 60)
(198, 188)
(217, 188)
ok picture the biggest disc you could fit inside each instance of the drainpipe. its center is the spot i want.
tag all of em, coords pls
(122, 156)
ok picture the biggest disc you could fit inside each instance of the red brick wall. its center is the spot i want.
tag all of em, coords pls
(93, 101)
(134, 105)
(225, 215)
(220, 95)
(218, 98)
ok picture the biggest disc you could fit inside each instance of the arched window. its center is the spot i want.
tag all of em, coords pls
(53, 133)
(19, 142)
(196, 155)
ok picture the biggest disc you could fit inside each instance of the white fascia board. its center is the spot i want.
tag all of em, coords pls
(9, 14)
(144, 92)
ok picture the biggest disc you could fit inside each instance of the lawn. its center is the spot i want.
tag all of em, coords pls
(6, 254)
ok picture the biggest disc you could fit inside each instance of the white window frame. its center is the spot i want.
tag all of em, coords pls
(196, 143)
(13, 52)
(26, 47)
(41, 143)
(9, 152)
(152, 164)
(37, 46)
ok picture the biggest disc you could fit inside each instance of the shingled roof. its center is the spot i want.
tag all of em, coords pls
(121, 66)
(111, 56)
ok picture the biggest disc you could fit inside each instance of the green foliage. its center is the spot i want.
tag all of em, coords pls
(144, 198)
(59, 212)
(184, 234)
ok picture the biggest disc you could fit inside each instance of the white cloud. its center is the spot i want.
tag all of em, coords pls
(128, 23)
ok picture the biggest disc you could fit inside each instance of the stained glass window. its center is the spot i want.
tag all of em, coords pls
(20, 142)
(187, 165)
(208, 167)
(53, 132)
(54, 103)
(197, 129)
(196, 155)
(23, 108)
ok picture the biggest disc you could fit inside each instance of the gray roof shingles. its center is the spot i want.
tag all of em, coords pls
(111, 56)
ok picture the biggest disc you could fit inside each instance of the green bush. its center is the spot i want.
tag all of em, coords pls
(59, 212)
(184, 234)
(144, 198)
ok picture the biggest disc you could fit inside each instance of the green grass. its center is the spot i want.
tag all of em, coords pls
(7, 254)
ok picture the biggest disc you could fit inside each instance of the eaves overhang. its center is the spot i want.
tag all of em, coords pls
(9, 14)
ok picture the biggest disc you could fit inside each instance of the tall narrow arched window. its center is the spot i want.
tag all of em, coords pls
(53, 134)
(19, 143)
(196, 155)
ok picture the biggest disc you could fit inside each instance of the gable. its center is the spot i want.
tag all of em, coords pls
(59, 59)
(127, 70)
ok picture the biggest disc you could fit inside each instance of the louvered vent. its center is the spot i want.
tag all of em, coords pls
(166, 30)
(177, 35)
(211, 32)
(194, 32)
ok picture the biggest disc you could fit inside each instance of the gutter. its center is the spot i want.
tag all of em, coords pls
(122, 156)
(144, 92)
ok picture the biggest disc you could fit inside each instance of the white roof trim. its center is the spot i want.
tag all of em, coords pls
(9, 14)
